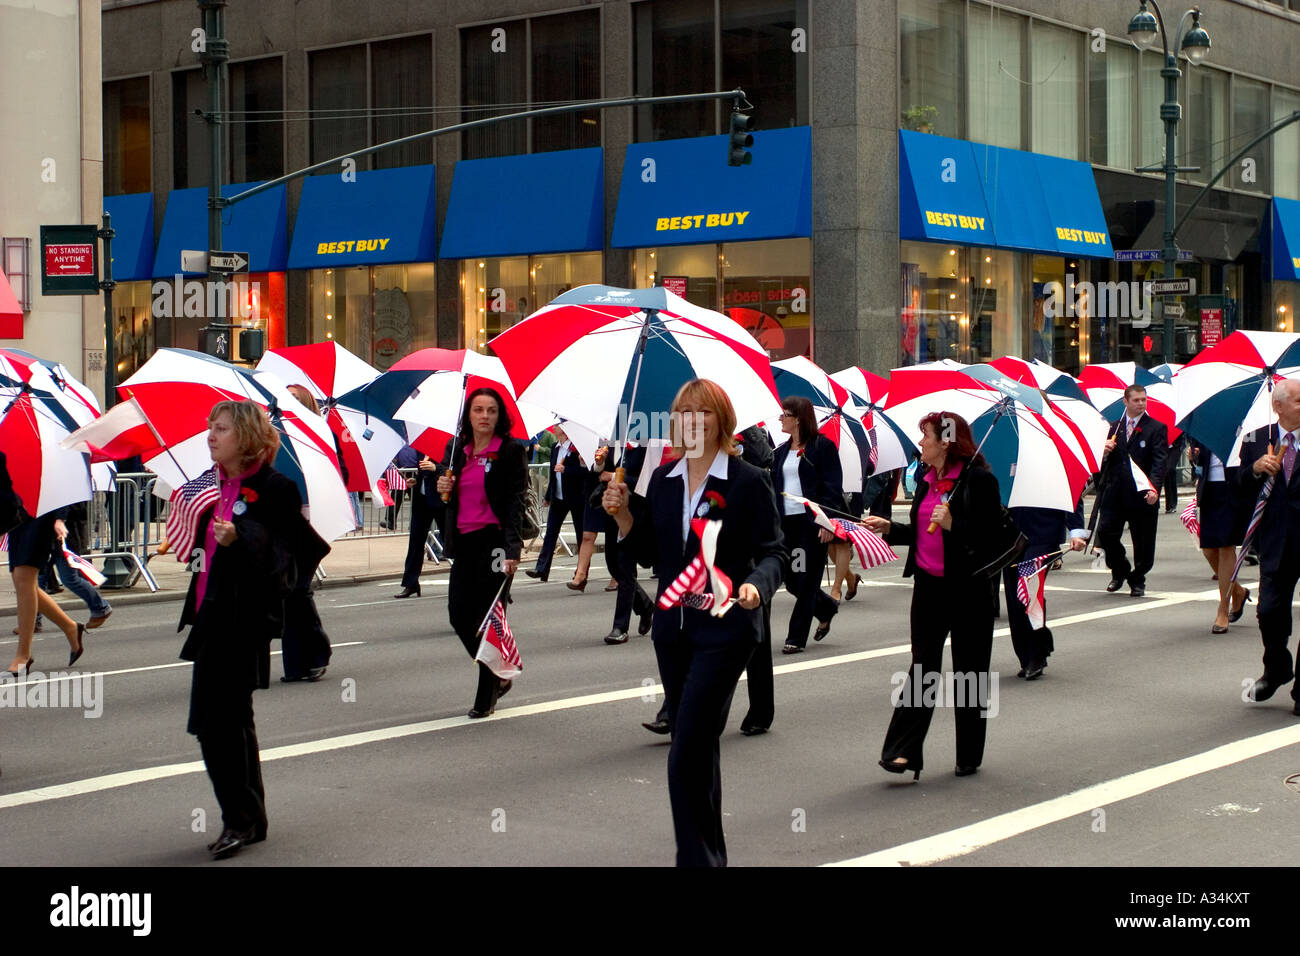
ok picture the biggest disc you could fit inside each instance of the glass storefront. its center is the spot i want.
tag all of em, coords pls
(379, 313)
(133, 327)
(764, 285)
(961, 302)
(496, 293)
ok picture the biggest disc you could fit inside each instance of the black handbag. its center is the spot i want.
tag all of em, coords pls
(1004, 545)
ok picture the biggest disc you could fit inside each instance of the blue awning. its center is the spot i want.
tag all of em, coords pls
(941, 196)
(257, 225)
(955, 191)
(1286, 239)
(526, 205)
(681, 191)
(1076, 216)
(383, 216)
(132, 221)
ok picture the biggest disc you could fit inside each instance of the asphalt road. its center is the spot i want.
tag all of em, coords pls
(1136, 748)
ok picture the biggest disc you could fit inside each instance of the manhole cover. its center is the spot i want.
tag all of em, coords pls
(1293, 782)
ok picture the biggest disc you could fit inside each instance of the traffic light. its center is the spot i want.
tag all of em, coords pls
(252, 343)
(737, 150)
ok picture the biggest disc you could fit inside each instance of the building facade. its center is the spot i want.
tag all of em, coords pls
(874, 122)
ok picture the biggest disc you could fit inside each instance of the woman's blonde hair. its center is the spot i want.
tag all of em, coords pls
(258, 439)
(706, 394)
(301, 393)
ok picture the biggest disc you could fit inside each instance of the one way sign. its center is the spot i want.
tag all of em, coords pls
(228, 262)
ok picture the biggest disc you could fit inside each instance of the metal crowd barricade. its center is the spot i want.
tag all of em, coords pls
(122, 525)
(538, 476)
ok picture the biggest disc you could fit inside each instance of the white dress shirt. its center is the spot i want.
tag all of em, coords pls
(790, 475)
(560, 455)
(690, 502)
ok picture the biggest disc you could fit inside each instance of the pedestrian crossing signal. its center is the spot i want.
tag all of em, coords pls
(738, 152)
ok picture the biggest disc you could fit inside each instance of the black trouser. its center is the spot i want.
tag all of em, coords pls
(1276, 592)
(555, 515)
(631, 596)
(304, 644)
(699, 681)
(1031, 646)
(760, 679)
(939, 607)
(1141, 519)
(1171, 473)
(221, 716)
(806, 584)
(476, 575)
(421, 521)
(391, 512)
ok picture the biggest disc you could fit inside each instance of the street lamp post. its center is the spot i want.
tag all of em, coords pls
(1143, 29)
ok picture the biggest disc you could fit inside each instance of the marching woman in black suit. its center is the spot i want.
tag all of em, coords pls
(701, 657)
(487, 488)
(252, 541)
(1224, 514)
(807, 465)
(949, 595)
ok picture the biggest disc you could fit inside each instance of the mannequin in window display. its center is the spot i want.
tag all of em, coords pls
(1042, 331)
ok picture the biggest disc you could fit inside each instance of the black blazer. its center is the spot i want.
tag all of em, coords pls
(506, 485)
(1149, 450)
(9, 513)
(1200, 456)
(820, 474)
(975, 506)
(573, 480)
(1281, 519)
(243, 606)
(750, 549)
(1046, 528)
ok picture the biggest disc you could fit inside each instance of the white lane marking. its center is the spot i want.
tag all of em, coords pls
(968, 839)
(94, 784)
(77, 675)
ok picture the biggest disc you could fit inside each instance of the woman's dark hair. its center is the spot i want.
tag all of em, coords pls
(504, 422)
(952, 428)
(802, 409)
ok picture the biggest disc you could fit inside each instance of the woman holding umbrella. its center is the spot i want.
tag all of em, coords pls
(807, 465)
(1224, 514)
(484, 492)
(251, 534)
(701, 656)
(949, 596)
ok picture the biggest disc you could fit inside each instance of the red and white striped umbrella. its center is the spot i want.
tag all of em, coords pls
(1081, 423)
(45, 475)
(894, 447)
(366, 444)
(1105, 386)
(838, 418)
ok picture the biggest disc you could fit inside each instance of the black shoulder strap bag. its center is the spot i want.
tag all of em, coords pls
(1006, 542)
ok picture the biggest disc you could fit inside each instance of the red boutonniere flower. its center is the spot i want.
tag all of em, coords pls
(1138, 430)
(248, 494)
(716, 499)
(944, 486)
(799, 453)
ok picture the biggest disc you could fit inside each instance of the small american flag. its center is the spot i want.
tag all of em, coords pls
(1190, 519)
(688, 588)
(83, 567)
(871, 547)
(393, 478)
(869, 420)
(1029, 589)
(4, 543)
(188, 502)
(498, 649)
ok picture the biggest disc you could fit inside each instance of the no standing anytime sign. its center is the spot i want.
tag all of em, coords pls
(69, 263)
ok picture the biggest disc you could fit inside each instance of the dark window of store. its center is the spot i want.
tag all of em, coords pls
(401, 76)
(931, 48)
(566, 66)
(189, 132)
(759, 56)
(338, 102)
(257, 124)
(494, 82)
(673, 53)
(126, 137)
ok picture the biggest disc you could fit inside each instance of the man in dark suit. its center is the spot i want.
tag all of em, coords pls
(426, 508)
(1046, 529)
(566, 489)
(622, 563)
(1277, 537)
(1140, 439)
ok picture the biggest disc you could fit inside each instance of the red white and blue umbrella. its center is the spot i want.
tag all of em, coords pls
(1080, 420)
(33, 425)
(613, 360)
(1034, 464)
(1105, 384)
(330, 372)
(893, 447)
(837, 417)
(1226, 392)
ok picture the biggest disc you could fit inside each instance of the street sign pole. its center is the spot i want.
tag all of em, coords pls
(108, 285)
(215, 54)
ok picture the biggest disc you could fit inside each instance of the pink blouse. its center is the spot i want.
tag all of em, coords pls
(474, 511)
(223, 509)
(929, 547)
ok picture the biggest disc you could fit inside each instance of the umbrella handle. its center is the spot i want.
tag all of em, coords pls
(619, 474)
(447, 497)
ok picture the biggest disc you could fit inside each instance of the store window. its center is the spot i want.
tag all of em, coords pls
(520, 62)
(254, 300)
(127, 147)
(959, 302)
(1286, 146)
(1061, 312)
(1112, 96)
(994, 52)
(497, 293)
(134, 338)
(931, 53)
(1250, 118)
(1284, 306)
(1057, 90)
(377, 312)
(256, 131)
(763, 285)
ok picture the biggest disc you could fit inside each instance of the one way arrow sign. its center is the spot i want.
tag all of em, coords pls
(228, 262)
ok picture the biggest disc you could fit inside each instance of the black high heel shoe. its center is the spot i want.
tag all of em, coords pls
(14, 674)
(1235, 616)
(853, 588)
(407, 592)
(894, 767)
(74, 656)
(577, 587)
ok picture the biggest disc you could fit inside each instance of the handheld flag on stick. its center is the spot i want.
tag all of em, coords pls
(1191, 519)
(497, 649)
(188, 502)
(82, 566)
(1029, 588)
(701, 585)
